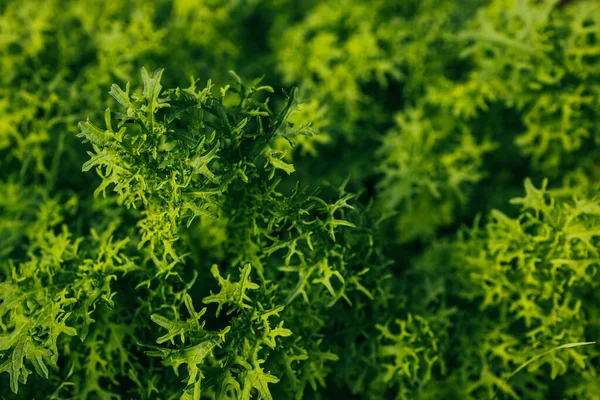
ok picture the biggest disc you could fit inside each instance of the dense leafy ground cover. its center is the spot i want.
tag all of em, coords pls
(404, 206)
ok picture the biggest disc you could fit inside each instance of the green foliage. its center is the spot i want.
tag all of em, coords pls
(541, 59)
(430, 168)
(533, 276)
(352, 235)
(53, 291)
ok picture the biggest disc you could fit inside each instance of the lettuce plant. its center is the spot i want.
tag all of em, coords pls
(351, 236)
(174, 158)
(534, 278)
